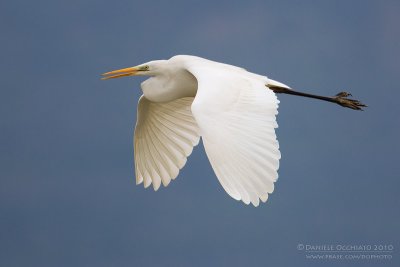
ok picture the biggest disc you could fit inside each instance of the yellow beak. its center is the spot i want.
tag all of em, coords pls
(120, 73)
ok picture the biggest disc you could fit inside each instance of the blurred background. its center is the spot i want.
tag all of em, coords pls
(67, 187)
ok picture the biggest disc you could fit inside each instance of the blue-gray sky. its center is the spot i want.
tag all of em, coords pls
(67, 188)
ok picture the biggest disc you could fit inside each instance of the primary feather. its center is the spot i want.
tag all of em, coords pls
(165, 135)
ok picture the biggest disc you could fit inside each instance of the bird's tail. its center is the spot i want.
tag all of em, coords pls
(273, 83)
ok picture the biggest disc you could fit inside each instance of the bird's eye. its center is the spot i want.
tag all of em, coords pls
(146, 67)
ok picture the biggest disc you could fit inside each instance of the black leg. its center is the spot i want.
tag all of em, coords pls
(340, 98)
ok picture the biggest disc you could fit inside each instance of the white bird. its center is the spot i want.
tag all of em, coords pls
(232, 110)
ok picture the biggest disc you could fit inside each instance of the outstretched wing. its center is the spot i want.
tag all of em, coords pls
(165, 135)
(236, 115)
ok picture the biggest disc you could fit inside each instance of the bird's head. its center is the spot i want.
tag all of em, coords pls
(151, 68)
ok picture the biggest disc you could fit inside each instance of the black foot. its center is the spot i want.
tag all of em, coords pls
(343, 94)
(341, 99)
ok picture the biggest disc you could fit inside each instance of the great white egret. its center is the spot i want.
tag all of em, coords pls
(233, 110)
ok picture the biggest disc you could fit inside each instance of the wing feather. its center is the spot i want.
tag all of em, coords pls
(236, 115)
(165, 135)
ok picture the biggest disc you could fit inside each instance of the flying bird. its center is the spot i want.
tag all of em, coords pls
(231, 109)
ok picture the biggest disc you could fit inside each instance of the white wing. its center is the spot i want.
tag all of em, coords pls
(236, 115)
(165, 135)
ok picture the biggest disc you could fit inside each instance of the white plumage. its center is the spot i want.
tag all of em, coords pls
(230, 108)
(165, 135)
